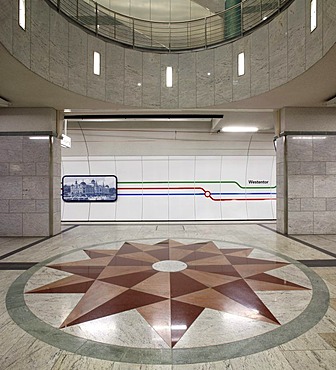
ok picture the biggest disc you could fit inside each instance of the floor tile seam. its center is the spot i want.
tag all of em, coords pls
(25, 247)
(310, 245)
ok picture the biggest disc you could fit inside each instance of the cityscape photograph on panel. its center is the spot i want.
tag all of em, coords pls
(89, 188)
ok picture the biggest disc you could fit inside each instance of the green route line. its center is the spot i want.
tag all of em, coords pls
(195, 182)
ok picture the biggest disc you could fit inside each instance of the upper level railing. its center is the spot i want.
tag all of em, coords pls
(199, 33)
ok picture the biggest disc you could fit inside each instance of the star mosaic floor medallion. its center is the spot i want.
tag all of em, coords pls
(169, 284)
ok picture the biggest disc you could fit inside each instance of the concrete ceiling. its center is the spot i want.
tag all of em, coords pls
(24, 88)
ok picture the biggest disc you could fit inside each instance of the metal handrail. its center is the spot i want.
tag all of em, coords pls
(201, 33)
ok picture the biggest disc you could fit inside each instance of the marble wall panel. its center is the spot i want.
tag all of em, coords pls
(223, 74)
(205, 78)
(331, 168)
(11, 187)
(39, 40)
(294, 205)
(187, 80)
(170, 95)
(21, 169)
(59, 50)
(151, 87)
(329, 17)
(278, 50)
(4, 169)
(294, 168)
(296, 39)
(4, 205)
(260, 79)
(10, 224)
(300, 222)
(324, 149)
(313, 168)
(42, 168)
(325, 186)
(300, 186)
(241, 84)
(35, 150)
(35, 224)
(331, 204)
(115, 73)
(42, 205)
(133, 78)
(96, 83)
(299, 150)
(280, 225)
(313, 204)
(325, 222)
(78, 54)
(35, 187)
(21, 38)
(21, 206)
(314, 46)
(6, 24)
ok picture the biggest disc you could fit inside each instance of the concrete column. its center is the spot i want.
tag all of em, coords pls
(306, 171)
(30, 172)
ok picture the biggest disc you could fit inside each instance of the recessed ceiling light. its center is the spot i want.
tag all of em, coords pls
(139, 83)
(39, 137)
(239, 129)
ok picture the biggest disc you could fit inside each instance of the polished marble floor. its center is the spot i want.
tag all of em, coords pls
(168, 296)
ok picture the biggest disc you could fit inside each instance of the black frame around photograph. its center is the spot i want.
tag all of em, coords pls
(88, 190)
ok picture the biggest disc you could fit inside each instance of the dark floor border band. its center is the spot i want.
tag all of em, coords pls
(35, 243)
(319, 263)
(16, 265)
(301, 241)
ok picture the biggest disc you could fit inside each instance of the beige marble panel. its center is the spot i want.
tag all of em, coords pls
(133, 78)
(324, 149)
(325, 222)
(39, 41)
(21, 206)
(151, 87)
(325, 186)
(278, 50)
(4, 169)
(35, 187)
(300, 186)
(205, 78)
(11, 187)
(260, 79)
(331, 168)
(35, 224)
(115, 73)
(59, 50)
(223, 74)
(10, 224)
(187, 80)
(329, 25)
(300, 222)
(6, 25)
(299, 150)
(296, 39)
(313, 204)
(78, 45)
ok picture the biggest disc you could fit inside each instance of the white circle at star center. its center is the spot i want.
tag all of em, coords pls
(169, 266)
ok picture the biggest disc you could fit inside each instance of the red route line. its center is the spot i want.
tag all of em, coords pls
(207, 193)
